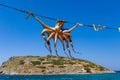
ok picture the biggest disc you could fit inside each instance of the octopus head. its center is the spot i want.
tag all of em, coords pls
(59, 23)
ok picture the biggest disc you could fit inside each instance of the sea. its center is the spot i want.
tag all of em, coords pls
(110, 76)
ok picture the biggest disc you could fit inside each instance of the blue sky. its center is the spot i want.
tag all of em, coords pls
(21, 37)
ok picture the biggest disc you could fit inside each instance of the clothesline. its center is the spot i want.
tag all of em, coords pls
(96, 28)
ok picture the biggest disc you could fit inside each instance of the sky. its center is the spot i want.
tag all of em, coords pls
(21, 37)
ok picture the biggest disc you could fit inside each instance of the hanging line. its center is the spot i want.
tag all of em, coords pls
(51, 18)
(27, 12)
(14, 8)
(101, 27)
(88, 25)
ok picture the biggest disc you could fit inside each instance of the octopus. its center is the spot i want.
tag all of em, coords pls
(57, 33)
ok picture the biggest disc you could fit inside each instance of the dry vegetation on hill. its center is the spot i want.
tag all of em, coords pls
(49, 65)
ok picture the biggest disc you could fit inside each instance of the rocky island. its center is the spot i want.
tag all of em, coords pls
(35, 65)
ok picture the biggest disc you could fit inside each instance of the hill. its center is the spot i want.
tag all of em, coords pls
(28, 65)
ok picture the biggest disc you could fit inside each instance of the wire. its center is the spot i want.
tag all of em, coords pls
(20, 10)
(51, 18)
(14, 8)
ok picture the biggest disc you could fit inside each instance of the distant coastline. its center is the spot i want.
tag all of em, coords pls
(117, 71)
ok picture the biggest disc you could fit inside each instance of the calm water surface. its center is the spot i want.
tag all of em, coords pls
(114, 76)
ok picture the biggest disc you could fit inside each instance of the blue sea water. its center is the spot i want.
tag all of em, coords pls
(114, 76)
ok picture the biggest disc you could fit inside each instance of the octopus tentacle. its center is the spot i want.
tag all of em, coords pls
(49, 47)
(70, 40)
(55, 41)
(71, 43)
(41, 22)
(50, 36)
(76, 25)
(62, 41)
(44, 37)
(67, 45)
(45, 40)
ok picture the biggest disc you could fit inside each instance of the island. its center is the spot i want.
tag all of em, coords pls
(39, 65)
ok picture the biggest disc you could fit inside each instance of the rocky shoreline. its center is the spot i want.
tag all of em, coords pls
(46, 65)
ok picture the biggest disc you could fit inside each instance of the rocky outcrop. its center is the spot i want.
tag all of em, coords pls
(28, 65)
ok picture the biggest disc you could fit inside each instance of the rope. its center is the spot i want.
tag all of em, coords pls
(88, 25)
(54, 19)
(20, 10)
(14, 8)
